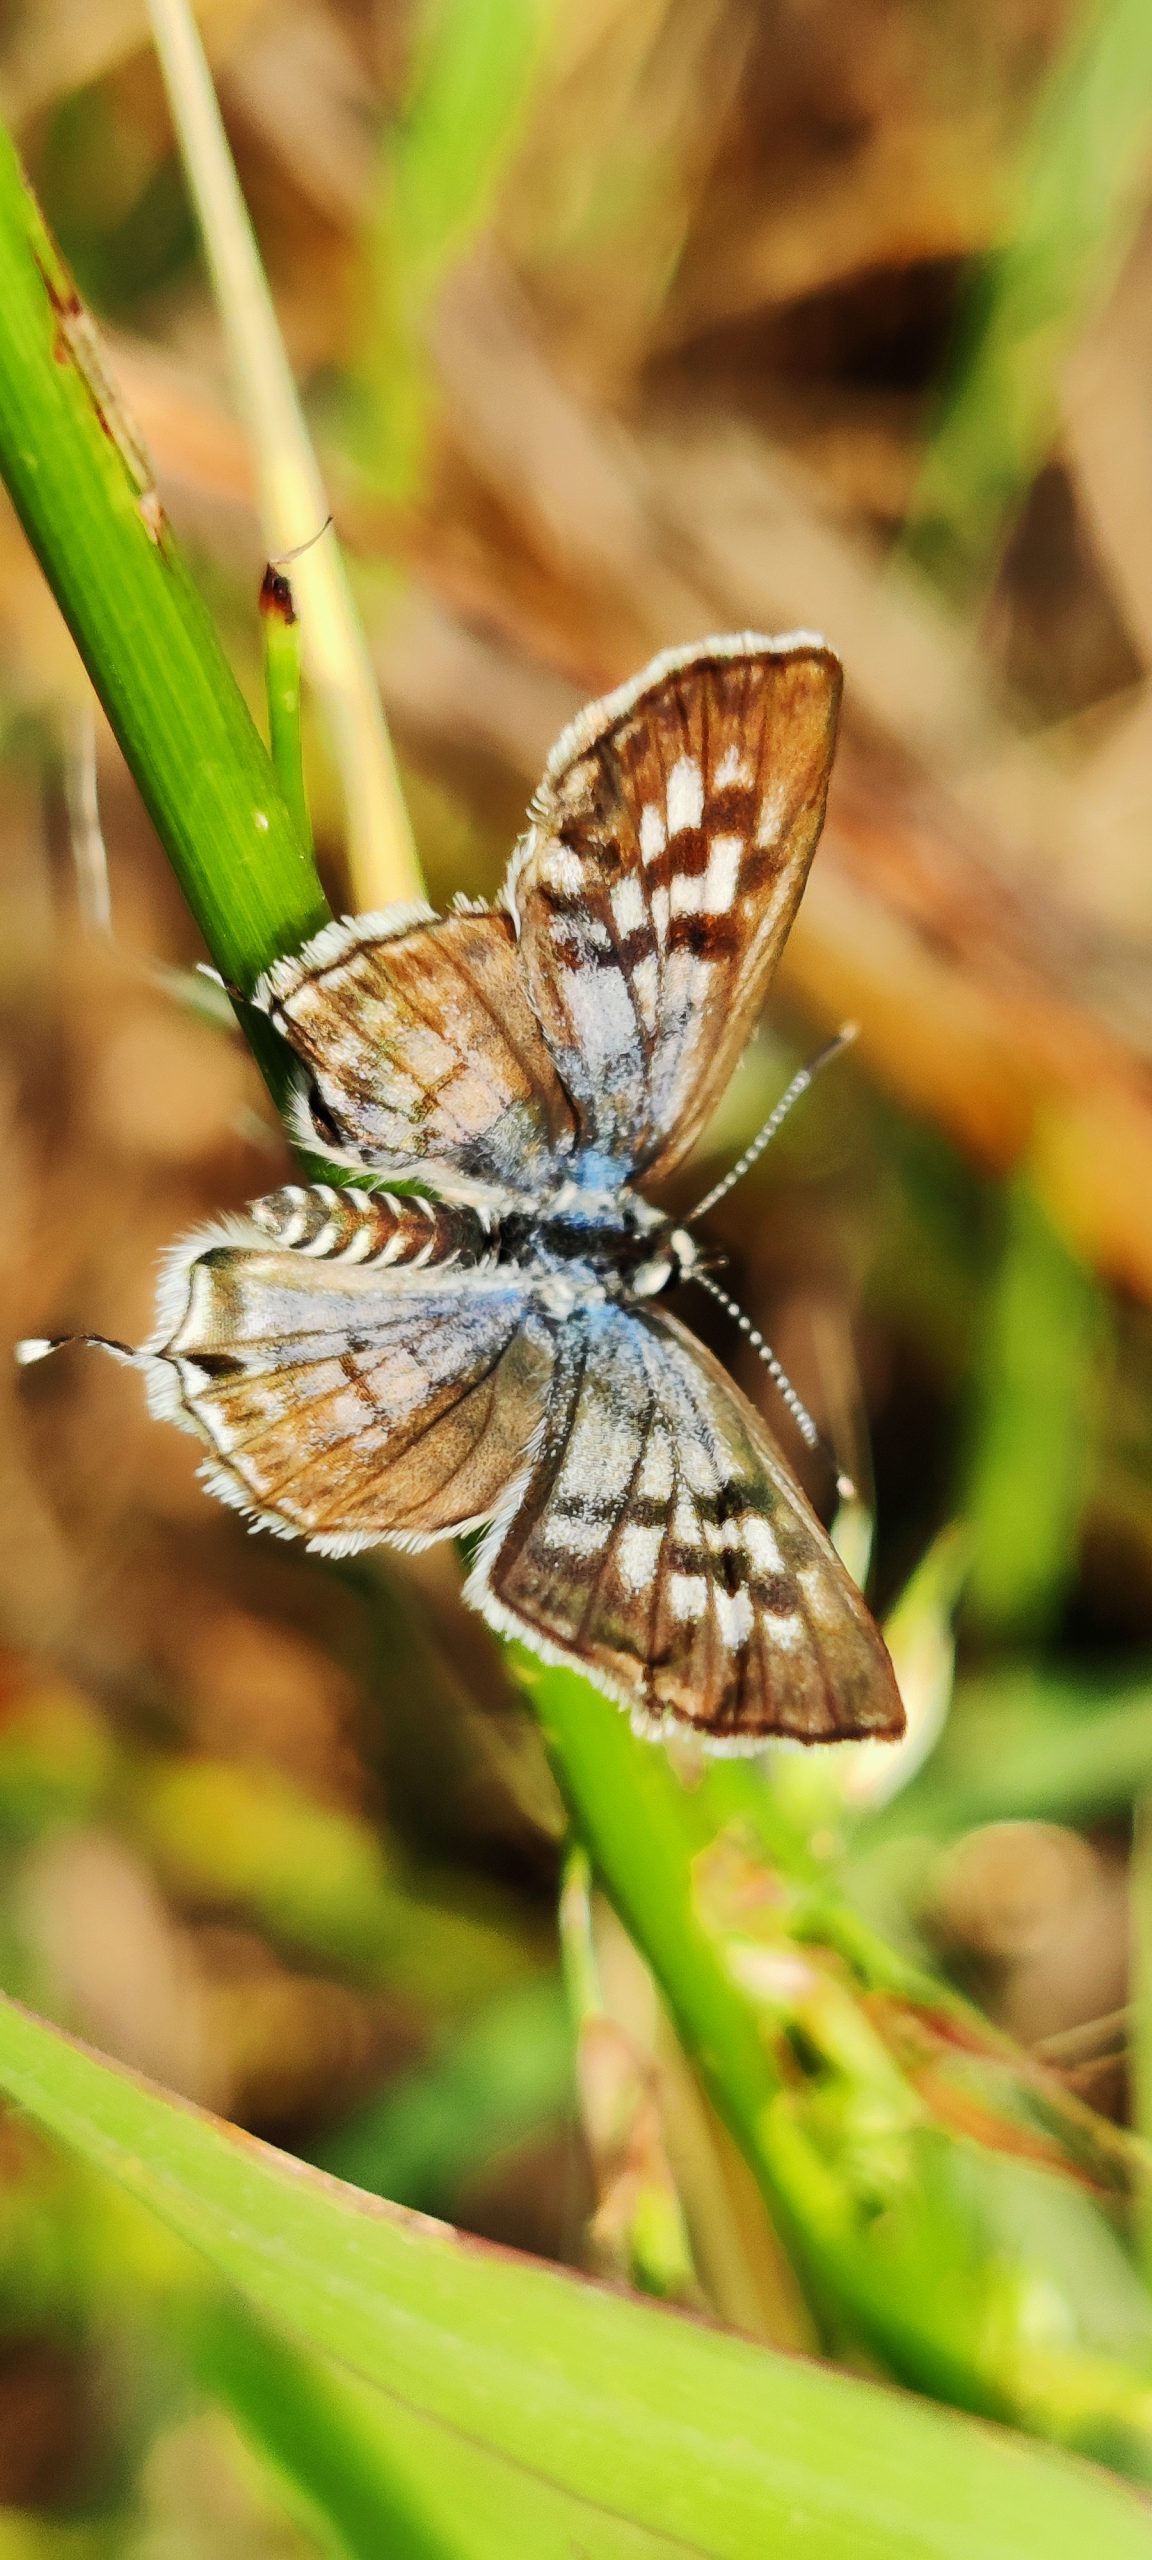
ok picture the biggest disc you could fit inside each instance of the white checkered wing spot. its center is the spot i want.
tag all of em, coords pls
(661, 1546)
(670, 842)
(355, 1367)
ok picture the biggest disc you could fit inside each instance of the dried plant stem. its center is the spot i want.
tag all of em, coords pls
(382, 858)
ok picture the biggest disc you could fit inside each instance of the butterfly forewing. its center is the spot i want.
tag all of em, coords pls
(670, 843)
(422, 1052)
(661, 1543)
(349, 1402)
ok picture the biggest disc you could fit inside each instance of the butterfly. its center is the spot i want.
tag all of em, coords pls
(369, 1367)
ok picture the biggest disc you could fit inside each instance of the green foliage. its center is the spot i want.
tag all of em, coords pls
(904, 2238)
(1031, 1454)
(475, 65)
(1073, 211)
(282, 688)
(631, 2431)
(84, 492)
(1059, 1745)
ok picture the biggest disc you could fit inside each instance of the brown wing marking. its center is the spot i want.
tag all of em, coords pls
(345, 1403)
(422, 1052)
(670, 842)
(661, 1544)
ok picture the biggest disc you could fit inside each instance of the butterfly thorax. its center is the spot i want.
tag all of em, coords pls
(604, 1243)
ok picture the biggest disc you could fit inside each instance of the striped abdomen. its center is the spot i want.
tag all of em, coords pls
(381, 1227)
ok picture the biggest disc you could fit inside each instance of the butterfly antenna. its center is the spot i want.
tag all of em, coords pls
(40, 1346)
(284, 559)
(809, 1431)
(800, 1083)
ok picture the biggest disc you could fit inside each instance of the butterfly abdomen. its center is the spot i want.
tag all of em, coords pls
(384, 1228)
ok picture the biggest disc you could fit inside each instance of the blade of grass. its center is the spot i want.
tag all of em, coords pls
(83, 490)
(282, 688)
(1140, 2026)
(661, 2434)
(381, 855)
(1032, 1443)
(476, 61)
(84, 2261)
(327, 2441)
(1076, 200)
(475, 67)
(378, 2478)
(396, 2485)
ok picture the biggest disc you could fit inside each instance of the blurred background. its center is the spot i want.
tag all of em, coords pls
(618, 323)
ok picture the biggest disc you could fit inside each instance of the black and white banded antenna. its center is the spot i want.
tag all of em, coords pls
(282, 560)
(809, 1430)
(804, 1077)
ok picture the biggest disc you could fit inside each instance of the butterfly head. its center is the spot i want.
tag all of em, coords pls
(675, 1255)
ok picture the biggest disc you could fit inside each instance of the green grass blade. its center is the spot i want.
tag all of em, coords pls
(1077, 200)
(327, 2442)
(475, 68)
(938, 2284)
(390, 2481)
(695, 2441)
(84, 493)
(476, 64)
(1031, 1451)
(282, 691)
(1140, 1995)
(637, 1822)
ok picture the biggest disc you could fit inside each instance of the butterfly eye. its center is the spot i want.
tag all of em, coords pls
(652, 1276)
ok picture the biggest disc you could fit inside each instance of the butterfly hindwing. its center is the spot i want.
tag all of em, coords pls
(352, 1401)
(422, 1053)
(670, 843)
(662, 1546)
